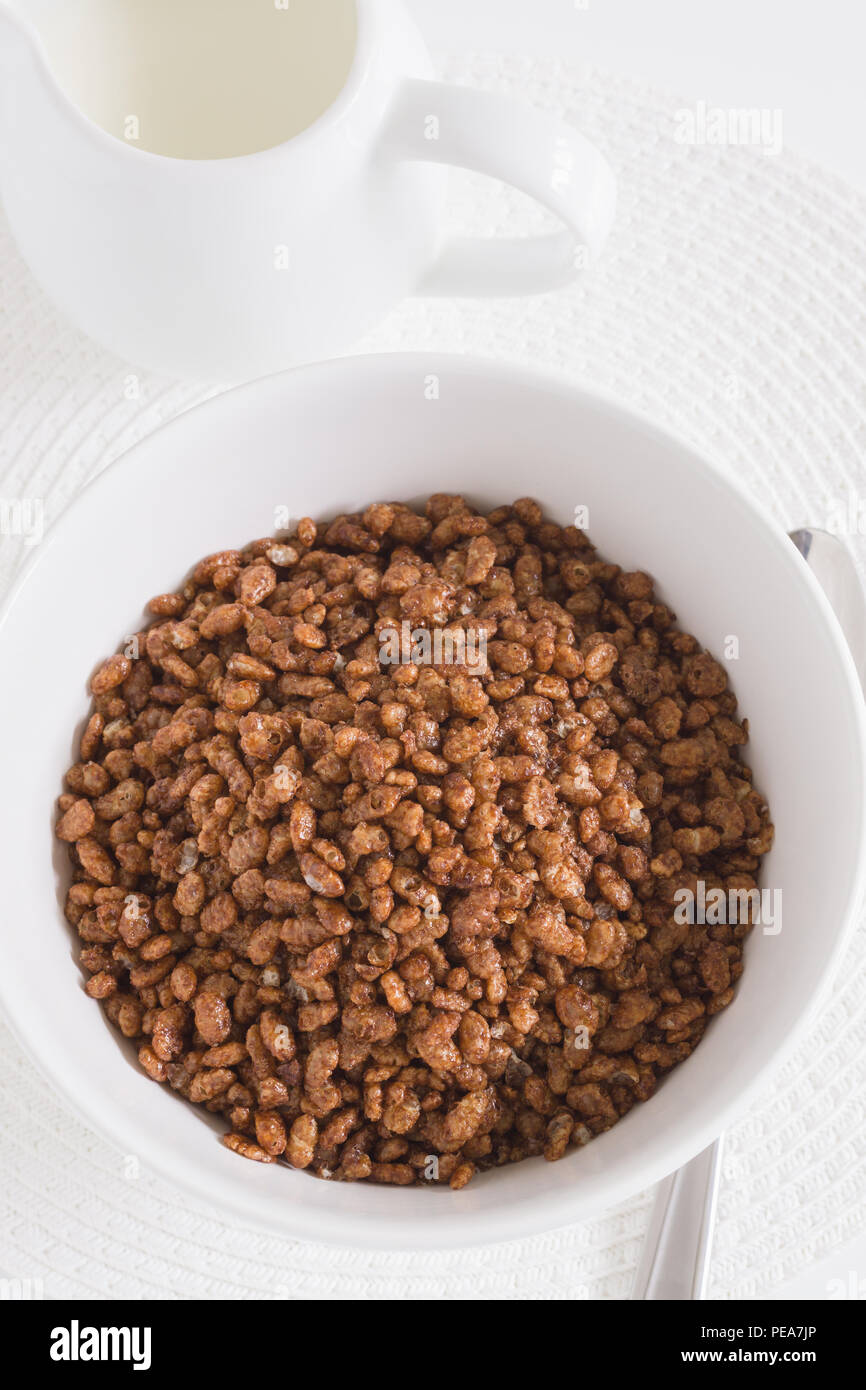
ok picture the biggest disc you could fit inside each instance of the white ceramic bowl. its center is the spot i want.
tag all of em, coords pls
(332, 437)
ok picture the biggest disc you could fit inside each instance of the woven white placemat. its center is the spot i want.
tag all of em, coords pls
(731, 306)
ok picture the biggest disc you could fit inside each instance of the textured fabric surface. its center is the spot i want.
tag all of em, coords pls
(731, 306)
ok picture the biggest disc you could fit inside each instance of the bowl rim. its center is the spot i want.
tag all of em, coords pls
(547, 1210)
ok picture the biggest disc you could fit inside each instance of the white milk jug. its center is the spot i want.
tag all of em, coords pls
(221, 188)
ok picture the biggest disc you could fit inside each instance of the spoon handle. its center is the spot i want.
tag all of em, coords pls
(675, 1261)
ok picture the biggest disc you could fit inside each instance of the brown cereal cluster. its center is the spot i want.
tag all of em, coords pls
(403, 922)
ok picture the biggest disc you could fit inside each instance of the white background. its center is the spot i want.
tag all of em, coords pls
(805, 58)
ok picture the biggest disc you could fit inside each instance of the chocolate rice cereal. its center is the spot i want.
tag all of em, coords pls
(377, 834)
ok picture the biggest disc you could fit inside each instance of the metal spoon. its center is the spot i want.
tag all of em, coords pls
(676, 1255)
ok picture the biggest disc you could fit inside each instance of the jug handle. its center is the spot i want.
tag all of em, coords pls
(530, 149)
